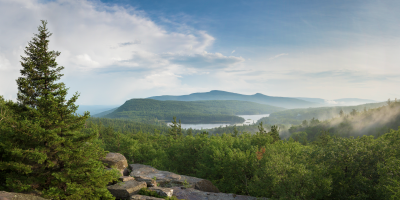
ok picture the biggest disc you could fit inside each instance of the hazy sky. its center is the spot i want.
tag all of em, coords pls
(113, 51)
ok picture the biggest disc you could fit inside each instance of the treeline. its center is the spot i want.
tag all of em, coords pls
(297, 116)
(330, 167)
(218, 111)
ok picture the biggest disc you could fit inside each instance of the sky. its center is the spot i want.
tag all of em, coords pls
(116, 50)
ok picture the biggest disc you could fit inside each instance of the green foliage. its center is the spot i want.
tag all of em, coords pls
(42, 146)
(330, 167)
(218, 111)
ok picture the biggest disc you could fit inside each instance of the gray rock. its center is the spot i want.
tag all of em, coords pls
(162, 177)
(118, 161)
(164, 192)
(18, 196)
(142, 197)
(124, 190)
(150, 182)
(127, 178)
(169, 179)
(193, 194)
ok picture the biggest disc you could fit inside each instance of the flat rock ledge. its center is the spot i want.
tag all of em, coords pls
(123, 190)
(142, 197)
(163, 192)
(18, 196)
(169, 179)
(193, 194)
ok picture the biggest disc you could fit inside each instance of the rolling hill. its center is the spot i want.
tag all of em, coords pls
(284, 102)
(214, 111)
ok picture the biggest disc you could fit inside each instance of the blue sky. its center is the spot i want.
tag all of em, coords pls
(117, 50)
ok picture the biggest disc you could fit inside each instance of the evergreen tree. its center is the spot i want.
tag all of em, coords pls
(176, 129)
(42, 144)
(261, 129)
(274, 133)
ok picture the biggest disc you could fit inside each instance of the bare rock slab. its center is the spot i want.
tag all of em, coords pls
(169, 179)
(164, 192)
(162, 177)
(124, 190)
(18, 196)
(150, 182)
(127, 178)
(118, 161)
(193, 194)
(142, 197)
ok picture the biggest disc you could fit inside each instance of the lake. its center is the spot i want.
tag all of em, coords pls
(249, 119)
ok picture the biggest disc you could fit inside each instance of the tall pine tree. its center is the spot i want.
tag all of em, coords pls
(42, 146)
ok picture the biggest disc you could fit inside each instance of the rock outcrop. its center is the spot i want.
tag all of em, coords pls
(18, 196)
(118, 161)
(193, 194)
(142, 197)
(167, 184)
(169, 179)
(123, 190)
(163, 192)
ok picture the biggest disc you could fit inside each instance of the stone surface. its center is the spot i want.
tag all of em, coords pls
(164, 192)
(18, 196)
(117, 161)
(193, 194)
(169, 179)
(162, 177)
(150, 182)
(124, 190)
(127, 178)
(142, 197)
(206, 186)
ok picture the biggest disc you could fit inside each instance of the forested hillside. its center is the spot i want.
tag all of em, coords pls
(284, 102)
(150, 111)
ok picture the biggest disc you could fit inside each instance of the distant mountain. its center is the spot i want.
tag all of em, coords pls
(94, 109)
(285, 102)
(211, 111)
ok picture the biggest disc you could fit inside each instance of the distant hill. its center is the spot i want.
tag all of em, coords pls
(213, 111)
(284, 102)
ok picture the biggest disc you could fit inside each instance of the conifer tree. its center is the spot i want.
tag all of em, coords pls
(42, 146)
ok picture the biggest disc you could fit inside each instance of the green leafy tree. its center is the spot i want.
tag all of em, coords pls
(43, 146)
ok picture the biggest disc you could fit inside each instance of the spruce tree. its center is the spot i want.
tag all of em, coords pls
(43, 144)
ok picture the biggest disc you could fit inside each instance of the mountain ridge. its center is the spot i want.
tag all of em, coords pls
(285, 102)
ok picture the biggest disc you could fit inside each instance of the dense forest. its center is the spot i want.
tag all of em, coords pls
(217, 111)
(328, 166)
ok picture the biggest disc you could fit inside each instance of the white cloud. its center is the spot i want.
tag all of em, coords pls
(96, 39)
(233, 51)
(279, 55)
